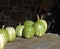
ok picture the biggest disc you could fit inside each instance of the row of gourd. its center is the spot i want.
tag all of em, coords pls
(27, 30)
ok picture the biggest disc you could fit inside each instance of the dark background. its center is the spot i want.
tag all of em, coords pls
(14, 11)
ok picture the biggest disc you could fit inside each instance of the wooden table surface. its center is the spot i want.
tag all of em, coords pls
(49, 41)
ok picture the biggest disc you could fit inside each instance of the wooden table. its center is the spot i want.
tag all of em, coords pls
(49, 41)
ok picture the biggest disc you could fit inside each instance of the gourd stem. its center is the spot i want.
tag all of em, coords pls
(3, 26)
(42, 16)
(38, 17)
(20, 23)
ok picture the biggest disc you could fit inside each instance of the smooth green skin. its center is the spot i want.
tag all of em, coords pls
(28, 32)
(2, 41)
(45, 23)
(39, 28)
(19, 30)
(4, 32)
(3, 38)
(28, 22)
(11, 33)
